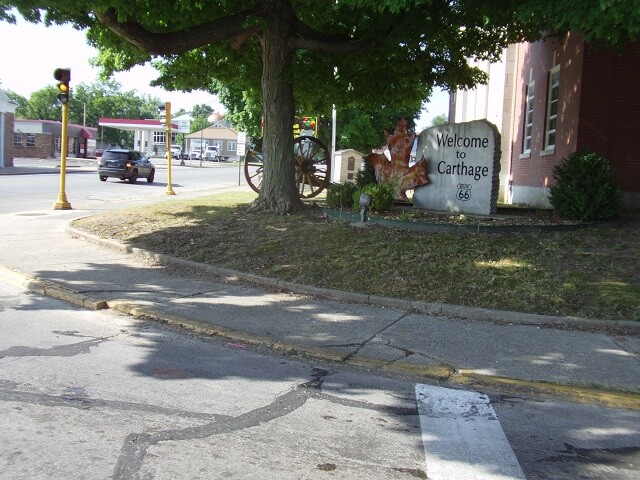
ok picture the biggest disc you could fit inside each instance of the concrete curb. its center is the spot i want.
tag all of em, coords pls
(50, 289)
(501, 317)
(597, 395)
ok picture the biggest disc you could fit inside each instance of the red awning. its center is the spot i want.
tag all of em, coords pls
(84, 133)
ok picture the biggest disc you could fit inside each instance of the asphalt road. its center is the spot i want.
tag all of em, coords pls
(86, 192)
(86, 394)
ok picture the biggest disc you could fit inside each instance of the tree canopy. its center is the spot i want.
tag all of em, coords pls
(305, 55)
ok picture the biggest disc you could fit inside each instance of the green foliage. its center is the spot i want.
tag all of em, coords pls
(439, 120)
(586, 188)
(199, 123)
(20, 100)
(366, 175)
(381, 196)
(43, 104)
(340, 195)
(201, 110)
(363, 130)
(601, 22)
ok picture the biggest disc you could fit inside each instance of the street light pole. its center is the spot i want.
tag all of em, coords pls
(62, 203)
(167, 109)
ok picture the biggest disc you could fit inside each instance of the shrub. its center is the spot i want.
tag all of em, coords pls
(381, 196)
(340, 195)
(365, 176)
(585, 188)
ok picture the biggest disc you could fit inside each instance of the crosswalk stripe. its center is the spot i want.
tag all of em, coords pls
(462, 436)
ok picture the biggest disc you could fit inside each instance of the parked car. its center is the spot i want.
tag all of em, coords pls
(125, 165)
(195, 155)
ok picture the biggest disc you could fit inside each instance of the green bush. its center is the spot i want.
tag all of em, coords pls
(365, 176)
(381, 196)
(340, 195)
(586, 188)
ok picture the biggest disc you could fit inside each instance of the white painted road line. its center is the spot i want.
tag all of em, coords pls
(462, 437)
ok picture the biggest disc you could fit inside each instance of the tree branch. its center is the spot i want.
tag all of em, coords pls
(167, 43)
(316, 41)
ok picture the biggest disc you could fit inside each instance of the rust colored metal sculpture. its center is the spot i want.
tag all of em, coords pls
(397, 170)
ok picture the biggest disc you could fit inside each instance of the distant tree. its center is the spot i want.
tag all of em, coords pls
(441, 119)
(199, 123)
(106, 100)
(43, 104)
(201, 110)
(21, 101)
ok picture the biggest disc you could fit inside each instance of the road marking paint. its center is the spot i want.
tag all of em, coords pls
(462, 436)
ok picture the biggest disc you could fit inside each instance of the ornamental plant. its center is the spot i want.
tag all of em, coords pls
(586, 188)
(340, 195)
(381, 196)
(365, 175)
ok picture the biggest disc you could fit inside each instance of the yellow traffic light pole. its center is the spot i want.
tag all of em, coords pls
(63, 76)
(167, 109)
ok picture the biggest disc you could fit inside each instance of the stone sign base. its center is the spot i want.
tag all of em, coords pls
(463, 161)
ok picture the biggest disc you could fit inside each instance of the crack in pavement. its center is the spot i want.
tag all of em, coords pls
(70, 350)
(365, 342)
(135, 446)
(10, 393)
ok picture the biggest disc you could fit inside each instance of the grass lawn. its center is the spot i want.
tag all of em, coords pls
(591, 272)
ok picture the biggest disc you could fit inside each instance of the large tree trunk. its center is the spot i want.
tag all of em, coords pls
(278, 193)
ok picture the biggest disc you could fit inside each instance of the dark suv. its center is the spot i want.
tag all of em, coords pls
(125, 165)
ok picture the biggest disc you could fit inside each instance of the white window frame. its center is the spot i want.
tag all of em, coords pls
(160, 137)
(17, 139)
(527, 137)
(231, 145)
(31, 140)
(553, 99)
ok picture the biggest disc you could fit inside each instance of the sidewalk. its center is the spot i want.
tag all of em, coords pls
(31, 166)
(453, 345)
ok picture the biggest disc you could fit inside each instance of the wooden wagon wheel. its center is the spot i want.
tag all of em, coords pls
(253, 166)
(312, 166)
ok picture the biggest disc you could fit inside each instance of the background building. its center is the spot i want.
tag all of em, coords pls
(42, 139)
(219, 134)
(7, 111)
(149, 136)
(552, 98)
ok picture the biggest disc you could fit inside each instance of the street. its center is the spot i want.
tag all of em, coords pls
(86, 192)
(96, 394)
(99, 395)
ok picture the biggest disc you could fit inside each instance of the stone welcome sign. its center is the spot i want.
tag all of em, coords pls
(464, 163)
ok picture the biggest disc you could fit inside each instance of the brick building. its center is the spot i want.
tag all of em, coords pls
(42, 139)
(7, 110)
(554, 97)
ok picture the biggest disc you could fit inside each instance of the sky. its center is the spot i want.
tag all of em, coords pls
(31, 52)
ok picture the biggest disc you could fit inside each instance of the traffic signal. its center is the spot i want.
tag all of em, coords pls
(63, 76)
